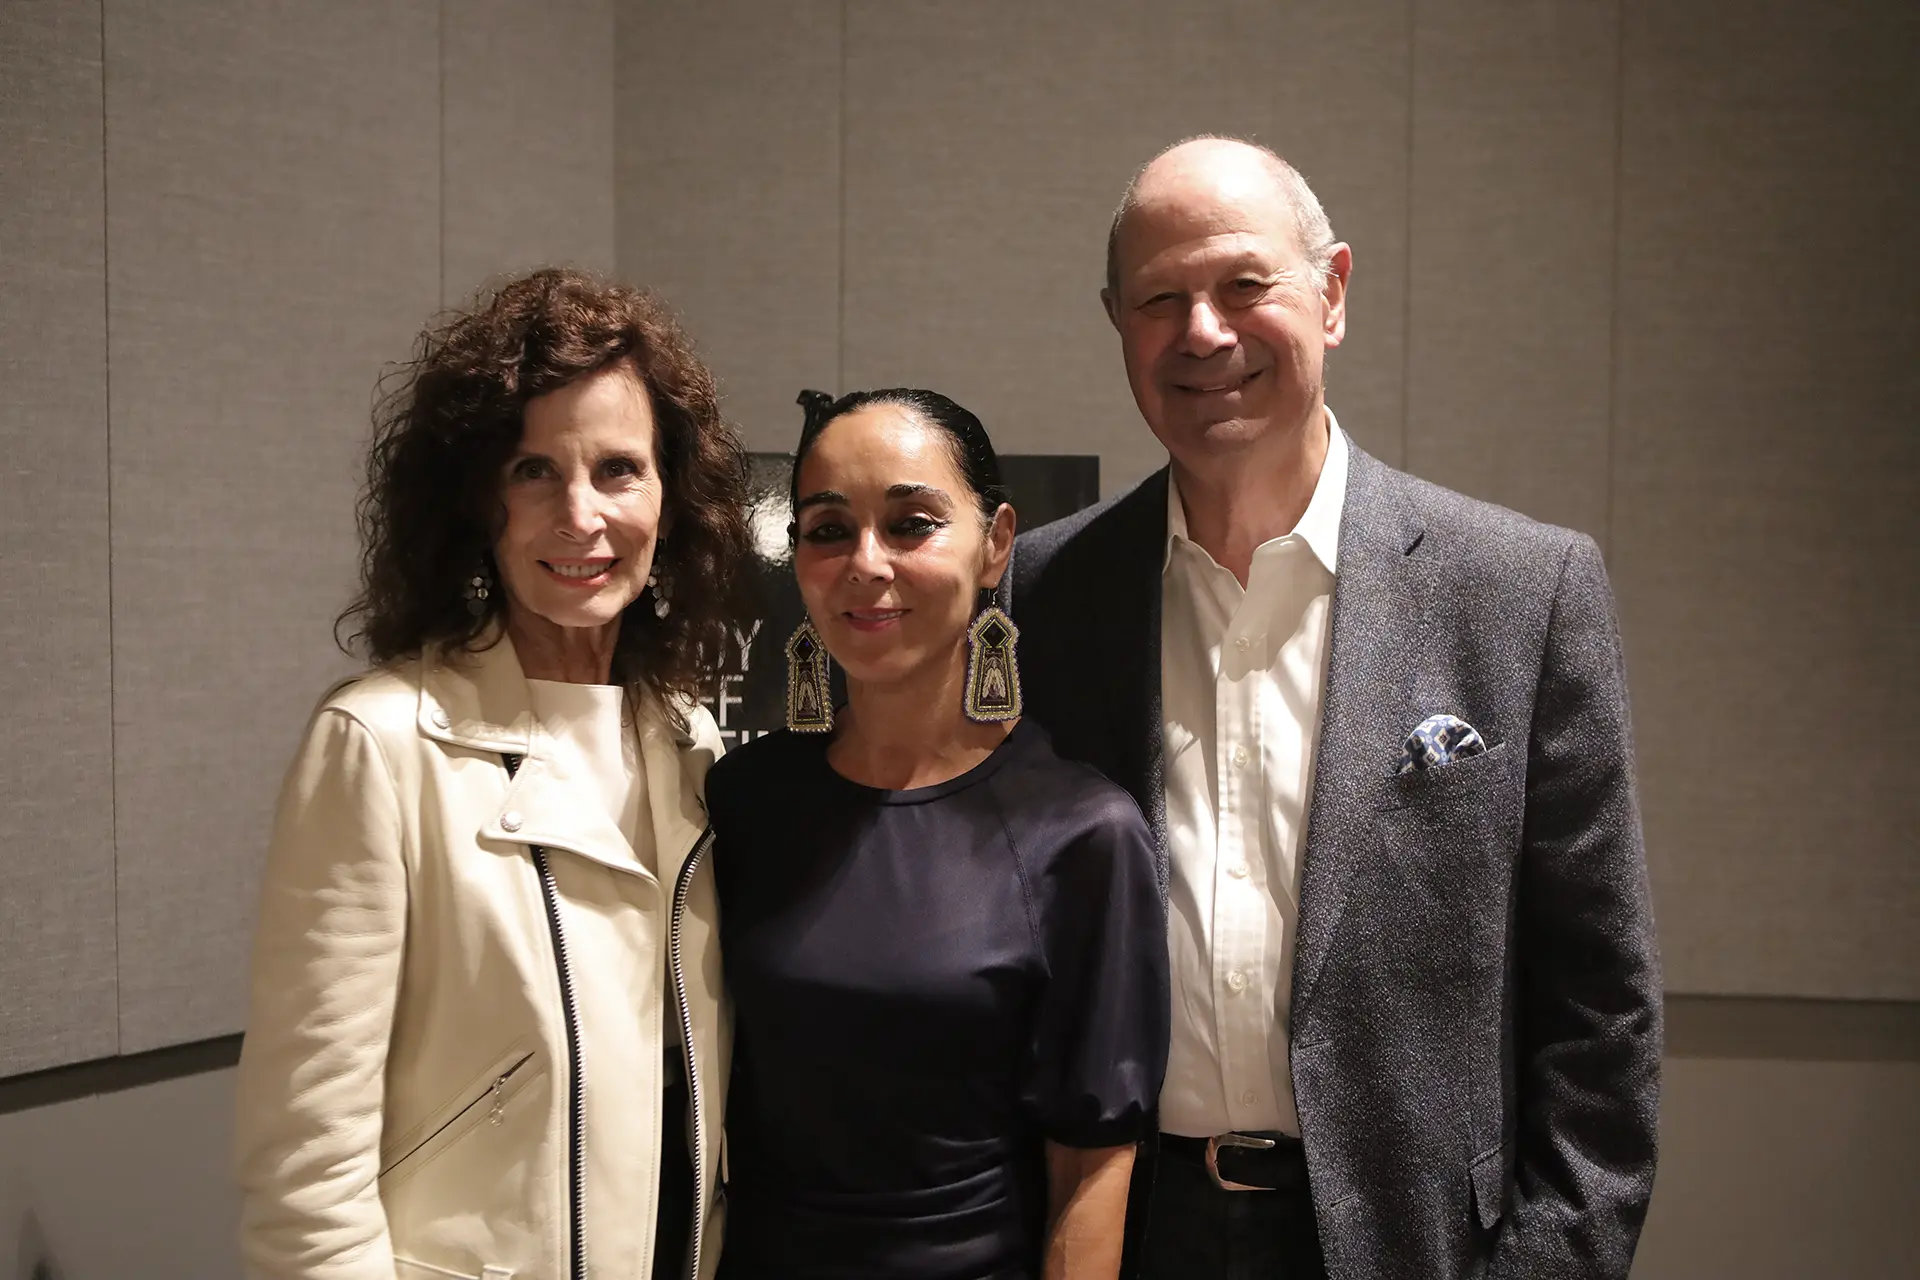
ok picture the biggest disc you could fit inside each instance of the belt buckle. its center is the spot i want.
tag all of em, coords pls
(1220, 1140)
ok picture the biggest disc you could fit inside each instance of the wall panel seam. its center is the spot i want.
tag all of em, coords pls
(840, 301)
(106, 426)
(1406, 300)
(440, 56)
(1613, 297)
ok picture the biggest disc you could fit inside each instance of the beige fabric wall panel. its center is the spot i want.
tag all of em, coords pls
(56, 793)
(528, 130)
(1514, 139)
(1341, 82)
(273, 183)
(1767, 487)
(1782, 1170)
(124, 1185)
(727, 190)
(987, 145)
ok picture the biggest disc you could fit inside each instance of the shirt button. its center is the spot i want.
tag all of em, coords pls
(441, 720)
(1243, 643)
(1238, 871)
(510, 820)
(1237, 981)
(1239, 757)
(1248, 1098)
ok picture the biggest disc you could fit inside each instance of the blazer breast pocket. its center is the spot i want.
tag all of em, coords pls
(1451, 836)
(1464, 781)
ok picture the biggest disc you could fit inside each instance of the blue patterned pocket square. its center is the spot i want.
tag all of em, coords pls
(1439, 740)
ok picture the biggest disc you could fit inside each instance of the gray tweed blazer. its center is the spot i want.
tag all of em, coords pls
(1476, 1017)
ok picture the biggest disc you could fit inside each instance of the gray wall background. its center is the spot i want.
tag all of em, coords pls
(1643, 267)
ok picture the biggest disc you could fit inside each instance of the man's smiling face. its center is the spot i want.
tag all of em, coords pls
(1223, 323)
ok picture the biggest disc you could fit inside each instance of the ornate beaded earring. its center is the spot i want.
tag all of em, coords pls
(809, 696)
(993, 669)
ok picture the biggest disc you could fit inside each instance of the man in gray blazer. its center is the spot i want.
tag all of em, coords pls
(1380, 731)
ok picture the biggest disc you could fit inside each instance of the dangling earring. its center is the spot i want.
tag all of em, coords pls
(993, 669)
(478, 588)
(662, 590)
(809, 696)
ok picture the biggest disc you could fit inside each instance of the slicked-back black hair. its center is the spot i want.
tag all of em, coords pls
(973, 451)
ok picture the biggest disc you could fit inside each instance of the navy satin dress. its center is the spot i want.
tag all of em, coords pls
(927, 985)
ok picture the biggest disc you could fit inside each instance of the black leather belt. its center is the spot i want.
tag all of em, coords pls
(1244, 1161)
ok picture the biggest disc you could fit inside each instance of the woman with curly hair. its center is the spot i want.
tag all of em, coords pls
(486, 1036)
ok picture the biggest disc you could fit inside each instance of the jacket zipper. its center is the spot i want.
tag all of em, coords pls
(576, 1074)
(494, 1091)
(682, 886)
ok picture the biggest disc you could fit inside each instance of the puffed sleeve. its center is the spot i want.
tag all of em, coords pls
(1100, 1040)
(326, 972)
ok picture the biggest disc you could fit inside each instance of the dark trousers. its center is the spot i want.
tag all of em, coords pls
(673, 1227)
(1196, 1231)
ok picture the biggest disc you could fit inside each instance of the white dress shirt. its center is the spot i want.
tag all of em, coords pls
(1243, 680)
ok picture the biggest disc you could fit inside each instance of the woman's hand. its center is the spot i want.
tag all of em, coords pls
(1086, 1211)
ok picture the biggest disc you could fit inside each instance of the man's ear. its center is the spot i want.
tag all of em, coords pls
(1111, 306)
(1334, 294)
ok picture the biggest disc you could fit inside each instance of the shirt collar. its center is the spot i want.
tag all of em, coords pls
(1319, 525)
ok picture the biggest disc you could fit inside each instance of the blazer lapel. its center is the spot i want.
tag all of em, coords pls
(1126, 613)
(1380, 597)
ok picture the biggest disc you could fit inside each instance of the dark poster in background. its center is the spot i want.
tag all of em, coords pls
(750, 695)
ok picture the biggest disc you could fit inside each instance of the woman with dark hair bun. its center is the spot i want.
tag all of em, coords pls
(486, 1036)
(944, 943)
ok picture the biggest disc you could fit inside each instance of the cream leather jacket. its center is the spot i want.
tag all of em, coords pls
(463, 984)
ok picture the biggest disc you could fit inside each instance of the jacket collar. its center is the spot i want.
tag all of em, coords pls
(675, 762)
(1319, 524)
(1118, 600)
(478, 699)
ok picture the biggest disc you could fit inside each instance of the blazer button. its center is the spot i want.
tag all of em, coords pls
(441, 720)
(510, 820)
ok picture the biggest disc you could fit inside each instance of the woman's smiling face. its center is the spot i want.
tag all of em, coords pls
(891, 548)
(582, 497)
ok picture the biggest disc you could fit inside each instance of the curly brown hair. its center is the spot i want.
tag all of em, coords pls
(447, 423)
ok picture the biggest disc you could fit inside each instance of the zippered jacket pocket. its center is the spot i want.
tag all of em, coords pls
(483, 1101)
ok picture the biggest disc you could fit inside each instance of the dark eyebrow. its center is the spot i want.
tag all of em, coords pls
(919, 491)
(823, 498)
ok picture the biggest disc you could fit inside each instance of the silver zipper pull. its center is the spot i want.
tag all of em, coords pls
(499, 1102)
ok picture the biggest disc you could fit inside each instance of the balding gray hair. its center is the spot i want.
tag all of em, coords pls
(1312, 233)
